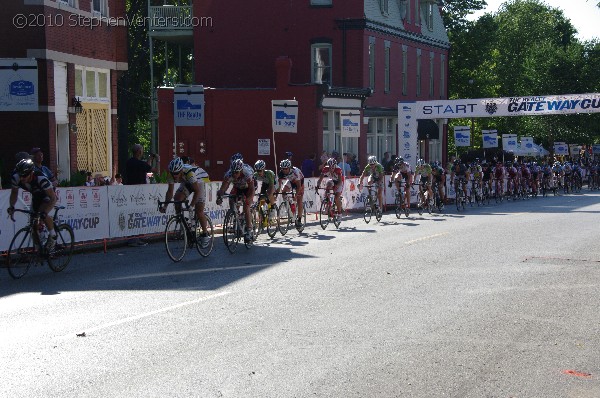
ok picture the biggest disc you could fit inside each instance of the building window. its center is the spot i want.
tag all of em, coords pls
(70, 3)
(404, 70)
(78, 82)
(100, 7)
(442, 76)
(384, 5)
(418, 71)
(321, 2)
(429, 15)
(381, 136)
(387, 67)
(372, 63)
(92, 84)
(431, 59)
(408, 11)
(321, 63)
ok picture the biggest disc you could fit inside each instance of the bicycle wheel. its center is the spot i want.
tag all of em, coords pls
(419, 205)
(300, 227)
(175, 238)
(204, 249)
(337, 218)
(284, 217)
(430, 204)
(63, 251)
(272, 221)
(458, 199)
(231, 231)
(22, 252)
(378, 213)
(256, 226)
(398, 206)
(368, 212)
(324, 214)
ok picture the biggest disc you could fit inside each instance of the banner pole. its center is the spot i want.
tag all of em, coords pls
(274, 153)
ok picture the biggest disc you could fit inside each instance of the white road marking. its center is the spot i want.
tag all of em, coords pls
(88, 331)
(188, 272)
(410, 242)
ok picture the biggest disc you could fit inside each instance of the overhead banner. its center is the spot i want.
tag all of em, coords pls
(407, 132)
(19, 82)
(511, 106)
(350, 122)
(462, 136)
(509, 142)
(490, 139)
(561, 148)
(284, 116)
(189, 105)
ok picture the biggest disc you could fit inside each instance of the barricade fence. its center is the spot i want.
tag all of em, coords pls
(121, 211)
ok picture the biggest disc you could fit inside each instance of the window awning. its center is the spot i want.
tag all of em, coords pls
(427, 129)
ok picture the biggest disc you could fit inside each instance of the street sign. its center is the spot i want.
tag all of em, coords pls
(189, 105)
(490, 139)
(350, 122)
(284, 116)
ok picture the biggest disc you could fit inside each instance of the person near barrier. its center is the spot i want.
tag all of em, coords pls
(191, 181)
(375, 173)
(239, 175)
(292, 176)
(43, 198)
(335, 182)
(38, 158)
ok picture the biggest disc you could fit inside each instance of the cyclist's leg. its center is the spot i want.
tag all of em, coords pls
(45, 206)
(300, 199)
(380, 194)
(338, 188)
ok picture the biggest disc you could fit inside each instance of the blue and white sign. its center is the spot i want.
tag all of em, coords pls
(284, 116)
(490, 139)
(462, 136)
(527, 143)
(574, 149)
(189, 105)
(596, 149)
(18, 85)
(350, 122)
(407, 131)
(509, 142)
(561, 148)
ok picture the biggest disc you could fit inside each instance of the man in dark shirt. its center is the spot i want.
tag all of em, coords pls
(38, 158)
(308, 166)
(136, 169)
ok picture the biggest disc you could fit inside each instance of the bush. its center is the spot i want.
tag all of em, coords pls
(77, 179)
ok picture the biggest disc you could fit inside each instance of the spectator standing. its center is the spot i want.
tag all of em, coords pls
(385, 160)
(38, 158)
(345, 165)
(389, 167)
(117, 179)
(354, 166)
(308, 166)
(89, 180)
(136, 169)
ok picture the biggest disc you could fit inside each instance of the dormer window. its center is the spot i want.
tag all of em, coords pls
(384, 5)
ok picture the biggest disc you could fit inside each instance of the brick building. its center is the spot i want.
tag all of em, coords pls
(75, 49)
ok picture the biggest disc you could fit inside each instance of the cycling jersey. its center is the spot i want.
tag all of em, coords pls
(460, 171)
(191, 174)
(38, 185)
(499, 171)
(268, 178)
(403, 168)
(376, 173)
(424, 170)
(487, 173)
(512, 172)
(293, 175)
(243, 179)
(476, 171)
(335, 174)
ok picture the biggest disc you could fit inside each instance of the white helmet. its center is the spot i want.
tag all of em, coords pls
(176, 165)
(372, 160)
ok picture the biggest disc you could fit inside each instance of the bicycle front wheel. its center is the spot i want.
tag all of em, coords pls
(175, 238)
(284, 217)
(231, 231)
(272, 221)
(337, 217)
(21, 253)
(398, 206)
(205, 247)
(368, 209)
(302, 224)
(324, 214)
(63, 251)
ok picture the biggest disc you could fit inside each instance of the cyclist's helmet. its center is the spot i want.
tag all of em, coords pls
(237, 165)
(288, 154)
(399, 160)
(235, 157)
(331, 162)
(420, 162)
(176, 165)
(25, 167)
(259, 165)
(285, 164)
(372, 160)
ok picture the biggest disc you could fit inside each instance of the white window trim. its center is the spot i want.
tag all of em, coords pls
(431, 77)
(387, 81)
(313, 68)
(404, 70)
(384, 6)
(97, 71)
(372, 63)
(104, 10)
(418, 81)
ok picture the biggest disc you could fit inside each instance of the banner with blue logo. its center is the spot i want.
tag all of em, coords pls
(189, 105)
(596, 149)
(407, 131)
(490, 138)
(19, 82)
(350, 122)
(527, 143)
(462, 136)
(284, 116)
(509, 142)
(561, 148)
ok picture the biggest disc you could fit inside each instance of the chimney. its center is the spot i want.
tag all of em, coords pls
(283, 66)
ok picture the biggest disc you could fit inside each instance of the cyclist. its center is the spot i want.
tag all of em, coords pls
(526, 177)
(374, 170)
(191, 181)
(423, 177)
(402, 170)
(292, 176)
(535, 177)
(438, 174)
(267, 177)
(477, 172)
(26, 176)
(486, 175)
(499, 173)
(335, 182)
(511, 173)
(460, 171)
(239, 175)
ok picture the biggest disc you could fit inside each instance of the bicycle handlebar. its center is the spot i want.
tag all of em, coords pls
(175, 202)
(33, 213)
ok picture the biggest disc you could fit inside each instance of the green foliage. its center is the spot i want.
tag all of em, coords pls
(77, 179)
(160, 178)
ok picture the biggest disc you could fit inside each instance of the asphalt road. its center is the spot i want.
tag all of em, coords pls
(498, 301)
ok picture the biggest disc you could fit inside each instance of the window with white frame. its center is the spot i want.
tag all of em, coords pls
(321, 63)
(384, 5)
(92, 84)
(408, 10)
(387, 67)
(381, 136)
(100, 7)
(404, 70)
(71, 3)
(418, 71)
(442, 75)
(418, 13)
(431, 80)
(429, 15)
(372, 63)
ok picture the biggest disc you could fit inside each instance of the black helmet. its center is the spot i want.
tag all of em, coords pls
(25, 167)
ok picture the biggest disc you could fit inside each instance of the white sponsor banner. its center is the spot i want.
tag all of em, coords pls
(462, 136)
(509, 142)
(407, 132)
(561, 148)
(284, 116)
(527, 143)
(490, 138)
(574, 149)
(86, 211)
(596, 149)
(18, 85)
(511, 106)
(350, 122)
(264, 147)
(189, 105)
